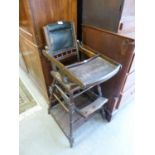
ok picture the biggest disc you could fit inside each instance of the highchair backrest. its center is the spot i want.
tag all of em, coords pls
(61, 39)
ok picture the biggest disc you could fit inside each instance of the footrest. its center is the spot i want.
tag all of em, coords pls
(94, 106)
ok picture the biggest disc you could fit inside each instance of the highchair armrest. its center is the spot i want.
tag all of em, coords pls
(63, 69)
(83, 62)
(85, 51)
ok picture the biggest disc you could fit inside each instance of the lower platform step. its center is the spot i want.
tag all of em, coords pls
(94, 106)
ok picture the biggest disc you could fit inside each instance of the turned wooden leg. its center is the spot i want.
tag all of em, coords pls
(108, 115)
(51, 90)
(71, 111)
(50, 104)
(102, 113)
(71, 139)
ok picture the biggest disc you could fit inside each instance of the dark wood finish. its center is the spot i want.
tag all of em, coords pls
(34, 14)
(93, 107)
(63, 68)
(113, 15)
(126, 97)
(117, 47)
(132, 68)
(95, 71)
(83, 74)
(130, 81)
(104, 14)
(127, 28)
(62, 117)
(118, 18)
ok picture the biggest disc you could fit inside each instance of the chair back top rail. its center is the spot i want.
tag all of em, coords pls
(60, 38)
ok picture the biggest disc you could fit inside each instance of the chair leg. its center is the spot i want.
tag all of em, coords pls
(102, 113)
(99, 90)
(71, 111)
(51, 90)
(71, 139)
(100, 94)
(108, 115)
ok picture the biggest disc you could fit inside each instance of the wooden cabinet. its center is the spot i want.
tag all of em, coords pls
(120, 49)
(126, 97)
(98, 19)
(33, 15)
(22, 62)
(33, 63)
(128, 89)
(130, 80)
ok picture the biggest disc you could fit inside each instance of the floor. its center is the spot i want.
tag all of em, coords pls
(26, 101)
(40, 135)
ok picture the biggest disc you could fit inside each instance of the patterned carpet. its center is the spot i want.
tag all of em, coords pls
(26, 100)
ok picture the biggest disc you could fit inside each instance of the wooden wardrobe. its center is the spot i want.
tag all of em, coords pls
(34, 14)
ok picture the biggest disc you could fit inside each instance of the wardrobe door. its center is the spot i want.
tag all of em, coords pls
(32, 60)
(104, 14)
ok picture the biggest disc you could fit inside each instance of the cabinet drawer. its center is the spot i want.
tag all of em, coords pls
(132, 68)
(130, 81)
(127, 97)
